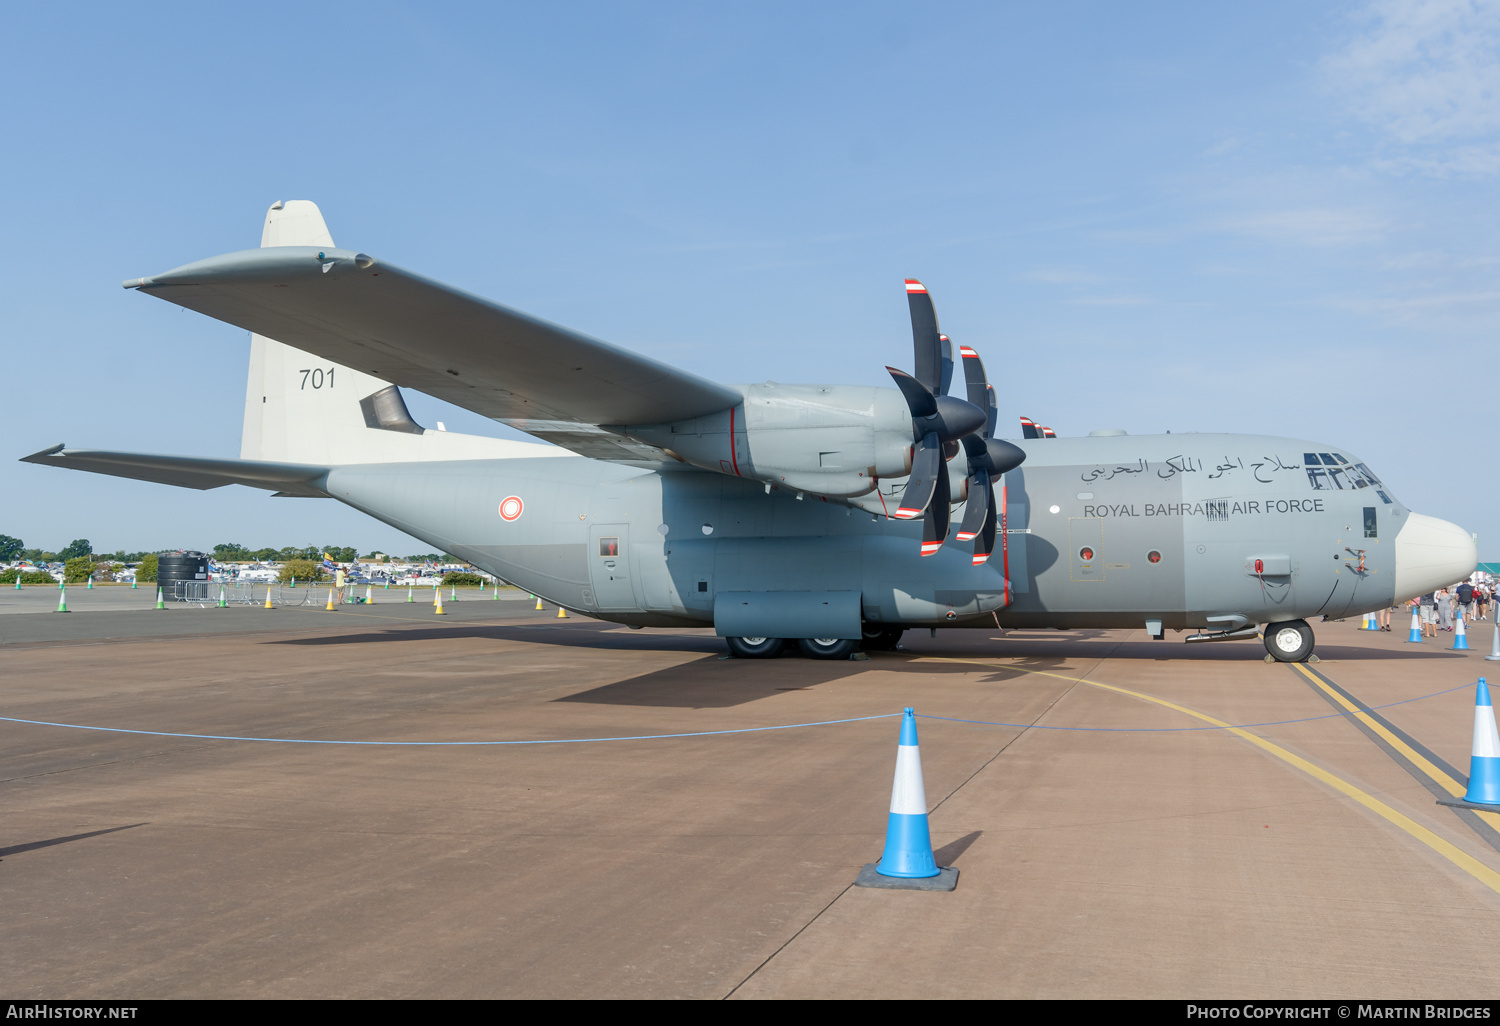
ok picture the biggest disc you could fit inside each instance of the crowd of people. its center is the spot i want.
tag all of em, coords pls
(1439, 610)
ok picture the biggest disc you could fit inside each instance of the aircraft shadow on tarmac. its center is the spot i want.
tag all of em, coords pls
(16, 849)
(719, 683)
(716, 682)
(583, 635)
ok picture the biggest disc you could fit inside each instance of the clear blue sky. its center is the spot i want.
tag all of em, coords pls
(1272, 217)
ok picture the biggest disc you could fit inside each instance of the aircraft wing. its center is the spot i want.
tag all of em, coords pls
(378, 318)
(290, 479)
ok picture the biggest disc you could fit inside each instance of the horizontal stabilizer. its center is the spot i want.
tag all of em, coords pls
(417, 333)
(297, 479)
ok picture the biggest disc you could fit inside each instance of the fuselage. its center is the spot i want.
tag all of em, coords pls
(1203, 531)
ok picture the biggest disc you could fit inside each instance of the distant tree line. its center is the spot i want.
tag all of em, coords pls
(12, 549)
(232, 552)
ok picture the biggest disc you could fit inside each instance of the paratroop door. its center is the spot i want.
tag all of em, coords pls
(609, 566)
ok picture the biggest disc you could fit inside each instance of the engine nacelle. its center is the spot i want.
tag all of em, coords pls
(833, 440)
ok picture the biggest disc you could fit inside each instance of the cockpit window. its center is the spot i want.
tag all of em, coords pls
(1330, 471)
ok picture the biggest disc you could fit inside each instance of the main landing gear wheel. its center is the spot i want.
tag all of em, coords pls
(1290, 641)
(756, 648)
(828, 648)
(881, 639)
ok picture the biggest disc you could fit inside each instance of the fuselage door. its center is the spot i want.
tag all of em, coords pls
(609, 566)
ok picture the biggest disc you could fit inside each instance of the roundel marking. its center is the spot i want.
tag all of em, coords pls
(1086, 554)
(510, 508)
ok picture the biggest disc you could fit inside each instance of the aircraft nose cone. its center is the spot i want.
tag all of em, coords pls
(1430, 554)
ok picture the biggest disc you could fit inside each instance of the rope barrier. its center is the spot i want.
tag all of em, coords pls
(443, 744)
(717, 733)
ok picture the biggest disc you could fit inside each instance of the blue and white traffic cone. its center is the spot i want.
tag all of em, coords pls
(908, 843)
(1460, 639)
(1367, 623)
(1416, 626)
(1484, 764)
(908, 862)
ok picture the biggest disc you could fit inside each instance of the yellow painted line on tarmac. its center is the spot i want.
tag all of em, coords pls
(1478, 870)
(1443, 780)
(1440, 778)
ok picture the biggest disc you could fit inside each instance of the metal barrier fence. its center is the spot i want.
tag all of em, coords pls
(212, 593)
(251, 593)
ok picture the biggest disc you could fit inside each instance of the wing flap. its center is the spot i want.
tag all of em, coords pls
(293, 479)
(378, 318)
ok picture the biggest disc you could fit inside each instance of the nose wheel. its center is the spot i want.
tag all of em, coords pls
(1290, 641)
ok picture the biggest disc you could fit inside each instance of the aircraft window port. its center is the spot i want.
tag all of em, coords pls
(1370, 522)
(1328, 471)
(1153, 556)
(703, 586)
(1086, 554)
(609, 546)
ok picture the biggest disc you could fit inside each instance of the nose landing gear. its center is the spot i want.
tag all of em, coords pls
(1290, 641)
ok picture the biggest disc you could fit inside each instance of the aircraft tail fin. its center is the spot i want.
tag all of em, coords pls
(301, 408)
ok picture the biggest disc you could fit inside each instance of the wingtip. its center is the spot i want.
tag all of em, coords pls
(41, 457)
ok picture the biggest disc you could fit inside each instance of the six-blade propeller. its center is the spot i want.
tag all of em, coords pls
(939, 424)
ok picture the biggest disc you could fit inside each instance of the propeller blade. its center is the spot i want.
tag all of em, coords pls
(993, 407)
(985, 543)
(935, 521)
(1028, 428)
(947, 356)
(919, 397)
(927, 348)
(927, 469)
(974, 509)
(978, 385)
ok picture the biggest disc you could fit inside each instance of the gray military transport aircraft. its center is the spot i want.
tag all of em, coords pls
(771, 512)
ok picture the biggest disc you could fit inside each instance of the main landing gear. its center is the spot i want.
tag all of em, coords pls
(875, 638)
(1290, 641)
